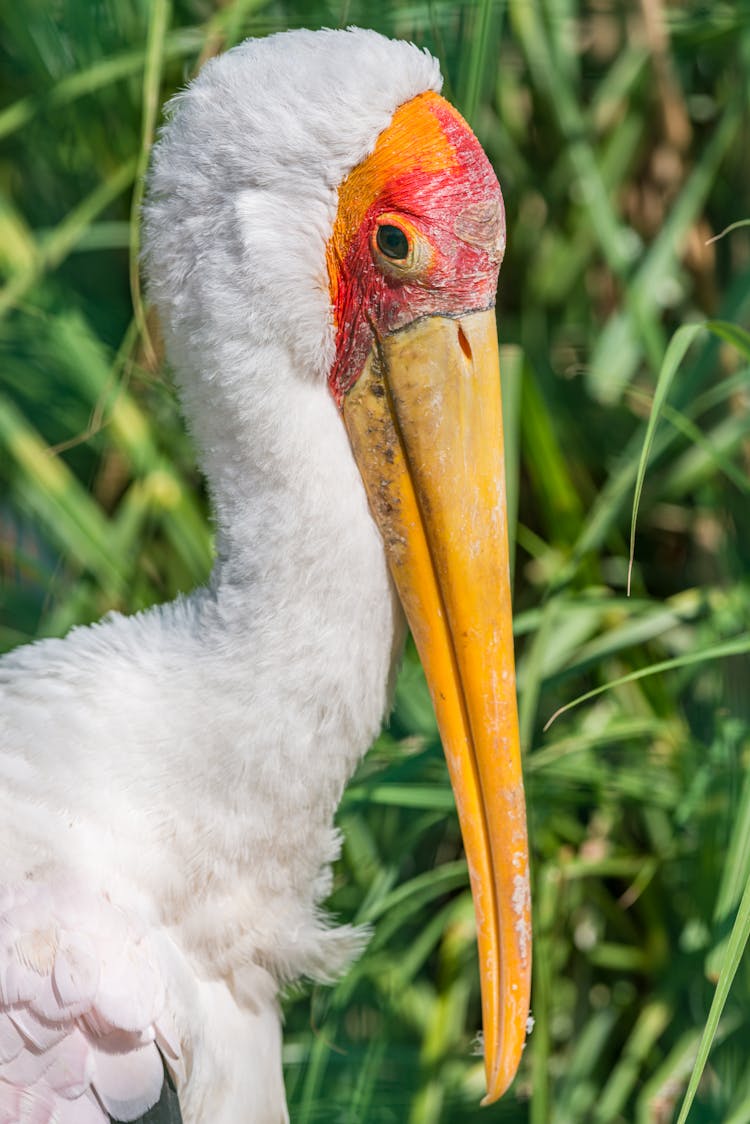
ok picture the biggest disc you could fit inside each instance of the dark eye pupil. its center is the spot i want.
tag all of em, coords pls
(393, 242)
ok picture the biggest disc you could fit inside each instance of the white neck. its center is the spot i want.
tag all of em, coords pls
(298, 636)
(298, 554)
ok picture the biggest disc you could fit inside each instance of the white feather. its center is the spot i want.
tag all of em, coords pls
(184, 765)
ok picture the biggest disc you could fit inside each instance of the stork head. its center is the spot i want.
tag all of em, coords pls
(316, 188)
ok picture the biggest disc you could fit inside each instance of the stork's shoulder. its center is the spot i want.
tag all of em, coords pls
(140, 641)
(79, 718)
(96, 669)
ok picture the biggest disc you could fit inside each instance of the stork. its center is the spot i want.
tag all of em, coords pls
(323, 234)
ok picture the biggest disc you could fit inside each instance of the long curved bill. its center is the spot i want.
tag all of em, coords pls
(424, 421)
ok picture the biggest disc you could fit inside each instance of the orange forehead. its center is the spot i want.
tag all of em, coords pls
(413, 142)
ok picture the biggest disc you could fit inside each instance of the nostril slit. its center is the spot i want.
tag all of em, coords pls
(464, 343)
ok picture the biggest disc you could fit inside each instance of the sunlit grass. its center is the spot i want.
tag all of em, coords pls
(620, 135)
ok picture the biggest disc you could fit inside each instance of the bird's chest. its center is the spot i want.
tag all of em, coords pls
(257, 905)
(252, 849)
(276, 722)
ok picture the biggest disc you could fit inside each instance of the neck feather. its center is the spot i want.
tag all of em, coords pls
(300, 580)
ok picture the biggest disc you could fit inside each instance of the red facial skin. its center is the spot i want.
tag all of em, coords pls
(459, 218)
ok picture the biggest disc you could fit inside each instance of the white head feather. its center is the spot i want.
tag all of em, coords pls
(243, 196)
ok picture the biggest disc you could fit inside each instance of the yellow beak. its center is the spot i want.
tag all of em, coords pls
(424, 420)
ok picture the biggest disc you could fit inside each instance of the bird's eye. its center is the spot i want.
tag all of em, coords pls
(400, 249)
(393, 243)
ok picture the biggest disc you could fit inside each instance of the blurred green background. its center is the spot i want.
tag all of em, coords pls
(621, 136)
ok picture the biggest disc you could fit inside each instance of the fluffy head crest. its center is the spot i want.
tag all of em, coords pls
(243, 187)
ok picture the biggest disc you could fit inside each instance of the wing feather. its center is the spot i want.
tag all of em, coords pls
(167, 1108)
(128, 1091)
(84, 1028)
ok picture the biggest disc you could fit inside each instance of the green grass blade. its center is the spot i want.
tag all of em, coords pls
(736, 647)
(480, 47)
(735, 335)
(55, 248)
(57, 498)
(728, 230)
(105, 72)
(155, 51)
(676, 351)
(735, 948)
(678, 347)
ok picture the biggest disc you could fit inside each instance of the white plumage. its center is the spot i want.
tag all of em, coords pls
(148, 762)
(323, 234)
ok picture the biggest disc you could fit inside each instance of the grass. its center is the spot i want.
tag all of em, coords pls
(620, 133)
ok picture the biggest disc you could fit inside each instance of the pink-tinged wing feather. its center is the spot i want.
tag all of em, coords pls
(41, 1035)
(116, 1085)
(82, 1111)
(11, 1042)
(9, 1101)
(35, 1109)
(75, 975)
(83, 1023)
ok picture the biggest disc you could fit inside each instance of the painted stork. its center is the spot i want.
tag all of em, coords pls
(323, 234)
